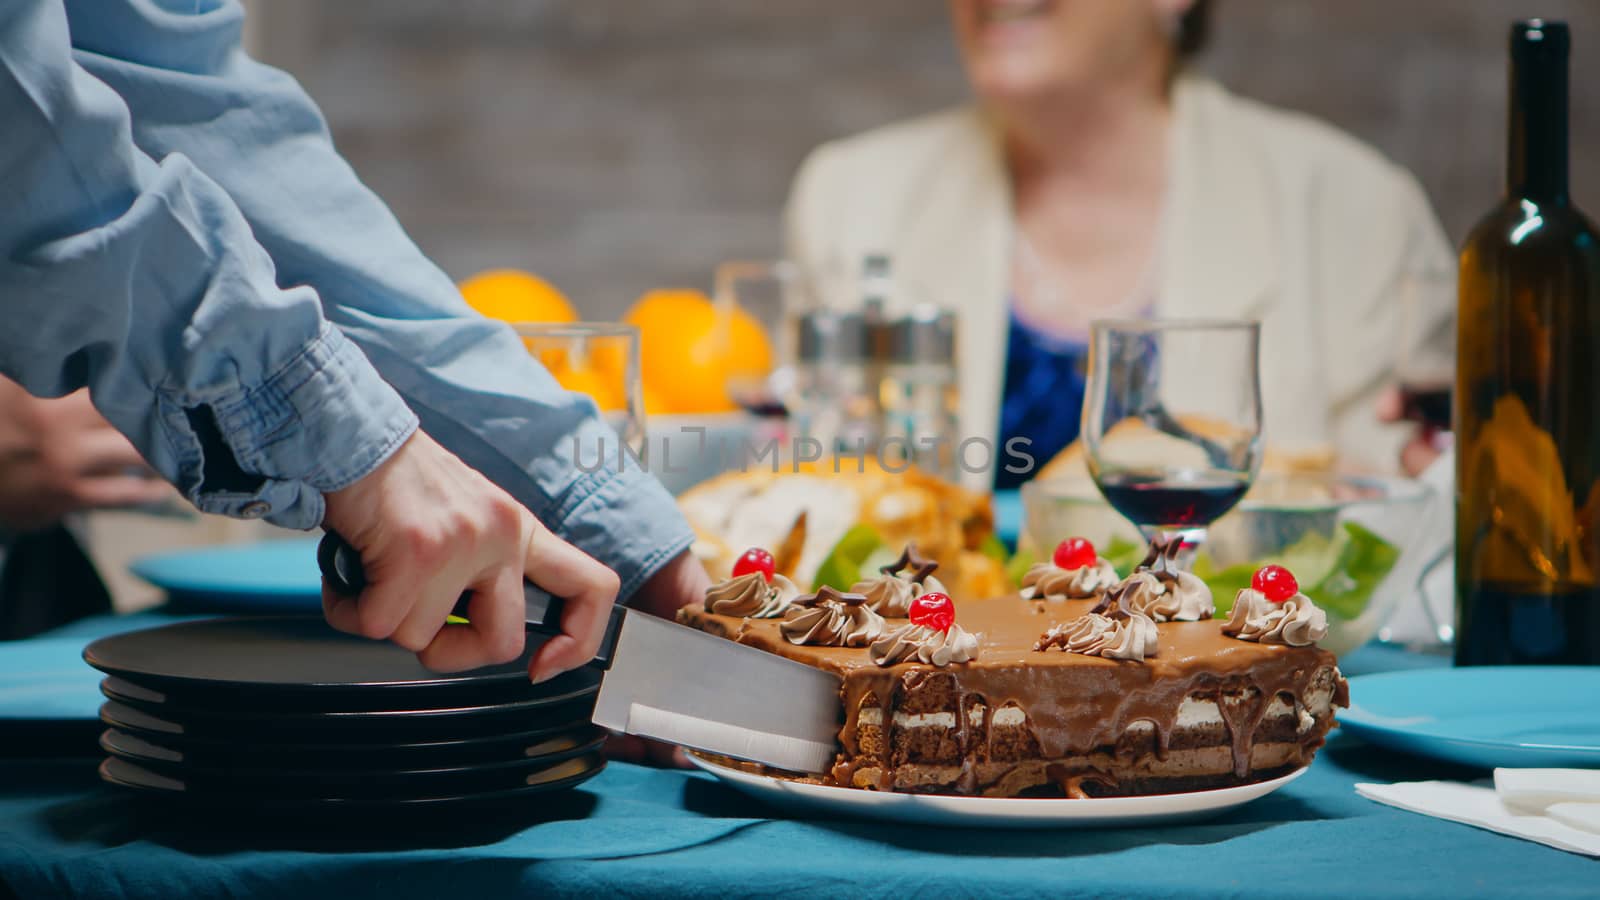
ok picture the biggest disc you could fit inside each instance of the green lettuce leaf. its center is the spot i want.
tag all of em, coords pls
(843, 565)
(1340, 574)
(1123, 554)
(1224, 583)
(994, 548)
(1363, 562)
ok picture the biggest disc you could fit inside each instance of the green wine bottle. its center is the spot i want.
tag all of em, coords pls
(1528, 393)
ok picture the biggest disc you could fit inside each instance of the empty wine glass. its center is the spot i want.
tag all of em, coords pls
(768, 291)
(1172, 420)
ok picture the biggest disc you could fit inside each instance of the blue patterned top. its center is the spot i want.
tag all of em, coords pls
(1042, 400)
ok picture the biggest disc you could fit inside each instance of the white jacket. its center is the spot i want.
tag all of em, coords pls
(1270, 215)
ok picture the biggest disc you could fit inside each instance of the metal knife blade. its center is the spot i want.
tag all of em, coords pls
(676, 684)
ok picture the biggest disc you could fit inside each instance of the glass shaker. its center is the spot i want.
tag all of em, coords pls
(920, 393)
(835, 398)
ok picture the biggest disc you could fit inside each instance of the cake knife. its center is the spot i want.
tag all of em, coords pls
(677, 684)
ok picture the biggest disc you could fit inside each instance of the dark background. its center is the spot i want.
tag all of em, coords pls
(619, 145)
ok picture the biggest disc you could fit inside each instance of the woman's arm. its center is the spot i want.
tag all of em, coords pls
(471, 381)
(140, 279)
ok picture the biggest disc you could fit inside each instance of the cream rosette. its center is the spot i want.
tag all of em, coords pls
(751, 596)
(1296, 622)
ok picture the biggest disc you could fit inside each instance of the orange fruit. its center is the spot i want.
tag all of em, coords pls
(659, 315)
(750, 352)
(689, 350)
(605, 390)
(653, 404)
(515, 296)
(510, 295)
(609, 356)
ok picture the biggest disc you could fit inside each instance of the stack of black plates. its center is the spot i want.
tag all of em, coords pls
(287, 714)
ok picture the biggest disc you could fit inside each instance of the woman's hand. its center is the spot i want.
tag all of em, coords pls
(1425, 445)
(60, 456)
(681, 582)
(429, 527)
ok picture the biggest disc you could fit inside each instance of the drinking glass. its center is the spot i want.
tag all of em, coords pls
(1172, 420)
(768, 291)
(601, 360)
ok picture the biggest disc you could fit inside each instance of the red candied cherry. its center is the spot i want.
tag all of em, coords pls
(755, 560)
(1276, 582)
(933, 610)
(1074, 553)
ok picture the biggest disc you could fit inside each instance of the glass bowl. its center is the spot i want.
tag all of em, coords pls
(1355, 543)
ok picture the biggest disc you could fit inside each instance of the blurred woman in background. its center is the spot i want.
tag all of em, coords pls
(1096, 176)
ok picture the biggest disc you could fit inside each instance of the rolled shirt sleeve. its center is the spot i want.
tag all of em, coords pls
(136, 274)
(471, 381)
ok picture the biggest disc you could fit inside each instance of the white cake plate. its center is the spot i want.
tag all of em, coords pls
(820, 800)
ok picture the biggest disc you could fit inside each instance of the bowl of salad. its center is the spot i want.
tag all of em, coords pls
(1355, 543)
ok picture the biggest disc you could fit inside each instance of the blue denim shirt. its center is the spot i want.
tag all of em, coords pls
(178, 233)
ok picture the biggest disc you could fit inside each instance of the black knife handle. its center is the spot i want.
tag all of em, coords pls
(342, 569)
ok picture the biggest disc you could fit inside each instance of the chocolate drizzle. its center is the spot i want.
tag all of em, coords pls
(967, 781)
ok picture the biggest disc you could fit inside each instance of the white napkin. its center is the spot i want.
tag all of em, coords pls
(1537, 790)
(1559, 808)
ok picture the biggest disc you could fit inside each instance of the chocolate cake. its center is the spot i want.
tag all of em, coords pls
(1210, 704)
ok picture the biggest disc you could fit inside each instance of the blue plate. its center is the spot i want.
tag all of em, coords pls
(1485, 716)
(49, 700)
(46, 680)
(268, 577)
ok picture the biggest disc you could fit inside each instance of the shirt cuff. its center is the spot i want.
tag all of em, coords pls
(319, 423)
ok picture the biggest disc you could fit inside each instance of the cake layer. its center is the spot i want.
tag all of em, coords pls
(1206, 708)
(935, 743)
(1092, 775)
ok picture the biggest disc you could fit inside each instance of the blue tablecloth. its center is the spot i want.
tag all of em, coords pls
(636, 831)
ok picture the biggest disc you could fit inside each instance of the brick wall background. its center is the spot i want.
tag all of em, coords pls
(618, 145)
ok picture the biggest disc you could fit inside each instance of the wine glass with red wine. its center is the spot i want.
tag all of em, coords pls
(1172, 420)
